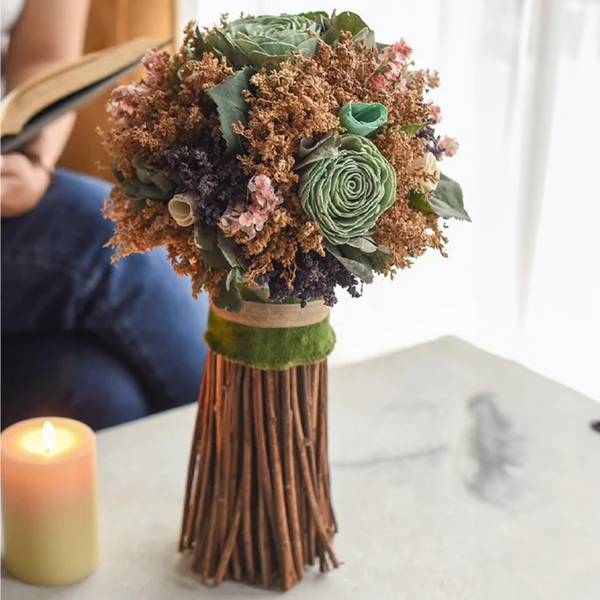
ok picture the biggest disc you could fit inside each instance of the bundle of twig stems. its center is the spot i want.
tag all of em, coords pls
(258, 499)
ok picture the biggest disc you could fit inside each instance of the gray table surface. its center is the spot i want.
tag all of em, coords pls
(457, 476)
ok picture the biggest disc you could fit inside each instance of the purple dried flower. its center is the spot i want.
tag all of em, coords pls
(217, 179)
(432, 141)
(317, 277)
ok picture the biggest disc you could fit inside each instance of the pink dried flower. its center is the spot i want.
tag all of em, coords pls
(391, 65)
(449, 146)
(436, 113)
(378, 81)
(251, 219)
(260, 183)
(154, 62)
(124, 102)
(431, 78)
(402, 49)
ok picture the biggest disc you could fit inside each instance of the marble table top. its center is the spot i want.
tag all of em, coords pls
(456, 475)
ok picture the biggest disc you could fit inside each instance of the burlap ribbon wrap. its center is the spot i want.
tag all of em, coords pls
(271, 336)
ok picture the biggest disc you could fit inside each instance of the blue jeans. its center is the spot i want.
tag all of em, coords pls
(84, 338)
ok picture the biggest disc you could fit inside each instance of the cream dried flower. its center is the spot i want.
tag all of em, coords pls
(427, 165)
(182, 207)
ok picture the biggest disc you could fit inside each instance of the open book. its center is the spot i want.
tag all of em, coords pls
(31, 106)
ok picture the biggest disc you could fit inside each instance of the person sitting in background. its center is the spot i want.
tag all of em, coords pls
(80, 337)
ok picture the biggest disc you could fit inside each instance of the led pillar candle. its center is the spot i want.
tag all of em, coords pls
(49, 501)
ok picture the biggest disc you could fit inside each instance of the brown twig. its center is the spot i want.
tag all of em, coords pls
(247, 477)
(191, 490)
(230, 542)
(204, 466)
(264, 553)
(284, 552)
(289, 471)
(258, 489)
(308, 482)
(223, 410)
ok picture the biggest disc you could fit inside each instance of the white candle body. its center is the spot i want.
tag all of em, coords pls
(49, 503)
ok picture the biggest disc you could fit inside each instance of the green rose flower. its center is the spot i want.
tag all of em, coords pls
(345, 185)
(363, 118)
(263, 41)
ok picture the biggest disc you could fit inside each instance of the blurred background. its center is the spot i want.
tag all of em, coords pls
(520, 90)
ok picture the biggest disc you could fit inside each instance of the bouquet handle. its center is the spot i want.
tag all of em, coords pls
(258, 496)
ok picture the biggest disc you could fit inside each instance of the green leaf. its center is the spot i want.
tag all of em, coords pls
(366, 35)
(260, 293)
(448, 200)
(209, 248)
(331, 37)
(205, 240)
(229, 249)
(380, 259)
(231, 105)
(319, 17)
(138, 163)
(363, 244)
(357, 268)
(129, 189)
(163, 183)
(349, 21)
(307, 47)
(200, 284)
(235, 277)
(220, 45)
(228, 299)
(314, 15)
(117, 172)
(413, 128)
(311, 152)
(214, 259)
(137, 190)
(230, 279)
(144, 175)
(418, 200)
(270, 63)
(199, 43)
(357, 265)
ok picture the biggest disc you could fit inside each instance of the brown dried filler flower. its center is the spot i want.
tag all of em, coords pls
(173, 114)
(347, 68)
(405, 106)
(301, 100)
(404, 231)
(139, 231)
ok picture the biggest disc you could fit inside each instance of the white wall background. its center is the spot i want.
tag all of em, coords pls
(521, 91)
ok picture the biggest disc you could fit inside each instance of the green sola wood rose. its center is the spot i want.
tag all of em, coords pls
(264, 41)
(363, 118)
(345, 185)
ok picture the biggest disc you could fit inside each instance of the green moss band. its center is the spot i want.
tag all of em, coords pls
(269, 348)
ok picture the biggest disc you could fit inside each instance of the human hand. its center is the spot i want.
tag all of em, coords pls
(24, 183)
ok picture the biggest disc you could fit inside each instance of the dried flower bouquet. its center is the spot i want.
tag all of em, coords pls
(278, 158)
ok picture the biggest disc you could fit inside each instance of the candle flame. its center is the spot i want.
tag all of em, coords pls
(48, 437)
